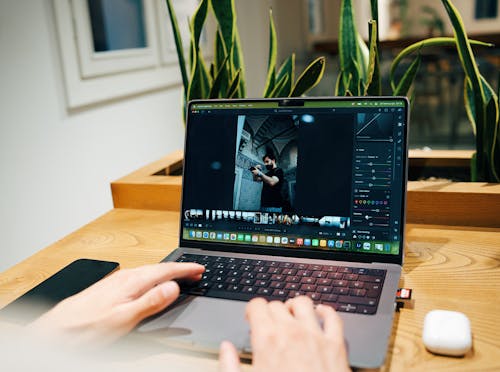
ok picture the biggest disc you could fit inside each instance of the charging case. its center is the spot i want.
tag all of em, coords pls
(447, 333)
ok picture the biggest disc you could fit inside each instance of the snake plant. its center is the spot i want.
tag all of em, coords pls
(360, 75)
(224, 77)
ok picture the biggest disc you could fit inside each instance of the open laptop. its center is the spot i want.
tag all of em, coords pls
(283, 197)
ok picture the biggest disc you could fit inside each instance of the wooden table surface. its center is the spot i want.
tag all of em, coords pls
(451, 268)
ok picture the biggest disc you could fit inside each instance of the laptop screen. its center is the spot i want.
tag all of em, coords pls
(299, 174)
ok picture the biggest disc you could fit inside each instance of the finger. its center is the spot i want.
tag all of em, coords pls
(259, 317)
(146, 277)
(229, 360)
(332, 323)
(279, 311)
(151, 302)
(302, 309)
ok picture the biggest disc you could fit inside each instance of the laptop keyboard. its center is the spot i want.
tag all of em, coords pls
(346, 289)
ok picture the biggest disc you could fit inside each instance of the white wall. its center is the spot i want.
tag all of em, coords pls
(56, 165)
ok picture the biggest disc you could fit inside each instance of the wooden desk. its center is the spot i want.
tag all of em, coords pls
(454, 268)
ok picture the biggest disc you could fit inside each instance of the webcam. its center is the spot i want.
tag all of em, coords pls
(291, 102)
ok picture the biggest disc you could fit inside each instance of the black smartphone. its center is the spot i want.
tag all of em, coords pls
(70, 280)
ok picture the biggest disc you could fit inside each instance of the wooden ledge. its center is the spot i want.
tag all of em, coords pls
(454, 203)
(429, 202)
(440, 158)
(152, 186)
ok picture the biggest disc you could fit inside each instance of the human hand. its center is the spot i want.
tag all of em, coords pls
(113, 306)
(256, 170)
(288, 337)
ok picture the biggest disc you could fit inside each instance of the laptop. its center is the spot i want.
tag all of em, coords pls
(288, 197)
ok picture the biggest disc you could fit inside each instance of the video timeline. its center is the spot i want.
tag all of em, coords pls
(265, 218)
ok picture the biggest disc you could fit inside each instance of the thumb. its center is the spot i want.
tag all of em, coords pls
(229, 361)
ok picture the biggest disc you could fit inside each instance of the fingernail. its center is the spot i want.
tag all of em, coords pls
(169, 288)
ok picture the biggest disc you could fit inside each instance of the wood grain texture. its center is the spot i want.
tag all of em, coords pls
(147, 188)
(454, 203)
(440, 158)
(453, 268)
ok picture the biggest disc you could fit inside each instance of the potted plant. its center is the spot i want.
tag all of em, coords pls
(225, 76)
(360, 75)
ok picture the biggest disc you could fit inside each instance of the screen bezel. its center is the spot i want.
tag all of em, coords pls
(224, 246)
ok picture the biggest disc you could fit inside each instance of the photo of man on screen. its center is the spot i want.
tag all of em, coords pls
(271, 199)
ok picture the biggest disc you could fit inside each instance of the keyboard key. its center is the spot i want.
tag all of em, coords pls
(358, 292)
(324, 289)
(264, 291)
(292, 279)
(367, 309)
(328, 298)
(280, 293)
(341, 290)
(308, 280)
(356, 284)
(249, 290)
(277, 284)
(336, 276)
(330, 269)
(357, 300)
(340, 283)
(292, 286)
(308, 287)
(370, 278)
(347, 308)
(261, 283)
(304, 273)
(289, 271)
(247, 281)
(324, 282)
(315, 267)
(319, 274)
(345, 270)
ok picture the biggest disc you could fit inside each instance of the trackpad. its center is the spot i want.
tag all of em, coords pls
(201, 323)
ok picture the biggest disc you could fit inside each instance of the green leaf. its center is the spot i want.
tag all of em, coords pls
(309, 78)
(373, 81)
(273, 52)
(407, 80)
(178, 46)
(469, 104)
(287, 68)
(374, 11)
(351, 61)
(196, 26)
(472, 71)
(473, 168)
(435, 41)
(220, 50)
(199, 81)
(237, 58)
(222, 76)
(491, 132)
(339, 86)
(225, 14)
(233, 88)
(279, 87)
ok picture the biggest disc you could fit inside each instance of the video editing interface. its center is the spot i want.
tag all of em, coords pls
(323, 176)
